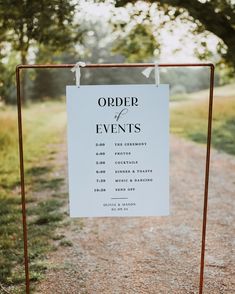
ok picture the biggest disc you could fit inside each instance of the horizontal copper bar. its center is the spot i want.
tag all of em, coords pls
(118, 65)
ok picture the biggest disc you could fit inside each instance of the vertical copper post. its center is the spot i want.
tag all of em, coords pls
(23, 202)
(207, 171)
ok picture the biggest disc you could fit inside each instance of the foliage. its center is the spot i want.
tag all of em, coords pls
(51, 83)
(139, 45)
(41, 22)
(7, 79)
(187, 80)
(217, 17)
(27, 24)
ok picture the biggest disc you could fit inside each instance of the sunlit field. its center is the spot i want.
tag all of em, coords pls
(190, 119)
(44, 127)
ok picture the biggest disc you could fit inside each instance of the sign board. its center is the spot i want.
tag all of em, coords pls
(118, 150)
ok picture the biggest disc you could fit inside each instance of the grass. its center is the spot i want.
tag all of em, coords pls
(179, 97)
(223, 92)
(43, 125)
(66, 243)
(190, 121)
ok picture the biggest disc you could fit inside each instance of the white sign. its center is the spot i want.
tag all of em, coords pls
(118, 150)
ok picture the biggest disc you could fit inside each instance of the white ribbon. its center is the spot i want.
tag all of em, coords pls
(146, 72)
(77, 71)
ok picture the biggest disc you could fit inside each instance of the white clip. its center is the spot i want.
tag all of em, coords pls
(77, 71)
(157, 74)
(146, 72)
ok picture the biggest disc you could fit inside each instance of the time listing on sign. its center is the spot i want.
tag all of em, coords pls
(118, 150)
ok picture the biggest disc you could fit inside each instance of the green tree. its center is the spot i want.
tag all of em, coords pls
(140, 44)
(51, 83)
(7, 78)
(215, 16)
(28, 23)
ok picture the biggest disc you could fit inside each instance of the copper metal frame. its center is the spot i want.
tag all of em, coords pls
(21, 154)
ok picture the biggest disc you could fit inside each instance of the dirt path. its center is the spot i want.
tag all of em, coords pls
(155, 254)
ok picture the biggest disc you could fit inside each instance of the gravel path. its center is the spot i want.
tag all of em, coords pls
(155, 254)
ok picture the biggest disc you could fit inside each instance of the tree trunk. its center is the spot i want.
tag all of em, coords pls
(23, 77)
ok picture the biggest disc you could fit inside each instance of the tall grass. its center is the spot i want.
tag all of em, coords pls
(43, 126)
(8, 148)
(190, 121)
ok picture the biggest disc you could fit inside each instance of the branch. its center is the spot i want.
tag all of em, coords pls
(4, 289)
(213, 21)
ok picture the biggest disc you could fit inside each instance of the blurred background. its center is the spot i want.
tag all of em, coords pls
(98, 32)
(113, 31)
